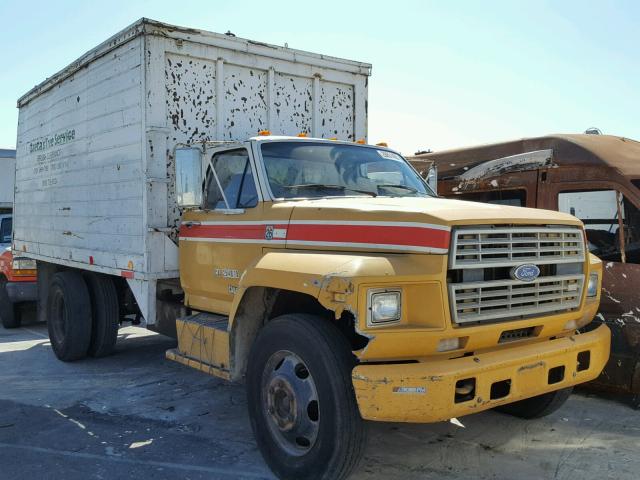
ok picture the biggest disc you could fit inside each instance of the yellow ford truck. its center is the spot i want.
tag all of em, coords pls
(323, 273)
(344, 289)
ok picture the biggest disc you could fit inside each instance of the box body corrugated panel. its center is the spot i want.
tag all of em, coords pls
(95, 173)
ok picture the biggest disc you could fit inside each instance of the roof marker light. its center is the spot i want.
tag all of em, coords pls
(264, 133)
(302, 134)
(361, 141)
(382, 144)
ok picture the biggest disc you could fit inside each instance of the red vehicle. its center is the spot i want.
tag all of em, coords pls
(17, 287)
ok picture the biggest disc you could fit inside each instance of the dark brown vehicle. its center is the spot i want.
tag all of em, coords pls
(594, 177)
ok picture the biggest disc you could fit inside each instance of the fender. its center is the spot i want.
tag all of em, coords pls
(333, 277)
(312, 273)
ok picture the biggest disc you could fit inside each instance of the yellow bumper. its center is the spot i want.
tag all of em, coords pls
(426, 392)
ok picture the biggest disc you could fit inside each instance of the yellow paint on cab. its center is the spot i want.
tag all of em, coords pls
(340, 276)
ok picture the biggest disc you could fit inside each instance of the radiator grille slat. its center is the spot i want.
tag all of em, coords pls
(482, 301)
(495, 247)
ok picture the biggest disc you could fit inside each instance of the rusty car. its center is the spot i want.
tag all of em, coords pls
(594, 177)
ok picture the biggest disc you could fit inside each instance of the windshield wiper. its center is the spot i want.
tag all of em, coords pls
(326, 186)
(403, 187)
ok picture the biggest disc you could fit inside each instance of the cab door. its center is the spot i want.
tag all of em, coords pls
(228, 234)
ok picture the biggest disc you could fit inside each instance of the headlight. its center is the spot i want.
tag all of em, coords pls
(25, 267)
(23, 264)
(592, 287)
(385, 306)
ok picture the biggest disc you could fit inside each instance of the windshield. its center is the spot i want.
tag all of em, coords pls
(314, 170)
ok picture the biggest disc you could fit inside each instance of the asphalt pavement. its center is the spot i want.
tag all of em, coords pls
(137, 415)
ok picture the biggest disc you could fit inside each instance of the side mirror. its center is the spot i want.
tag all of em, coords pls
(432, 177)
(188, 177)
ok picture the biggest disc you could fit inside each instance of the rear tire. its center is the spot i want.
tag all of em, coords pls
(537, 407)
(301, 400)
(9, 312)
(105, 314)
(69, 316)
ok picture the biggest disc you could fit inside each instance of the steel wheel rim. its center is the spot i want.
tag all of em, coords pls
(290, 402)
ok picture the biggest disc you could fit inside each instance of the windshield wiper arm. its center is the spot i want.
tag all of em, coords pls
(398, 185)
(330, 187)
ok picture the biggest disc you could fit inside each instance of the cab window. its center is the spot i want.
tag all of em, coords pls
(5, 230)
(598, 210)
(234, 172)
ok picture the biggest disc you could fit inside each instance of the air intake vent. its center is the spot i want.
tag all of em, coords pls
(517, 334)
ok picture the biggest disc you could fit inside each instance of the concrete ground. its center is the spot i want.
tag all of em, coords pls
(137, 415)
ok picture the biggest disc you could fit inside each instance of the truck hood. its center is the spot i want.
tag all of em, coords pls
(401, 224)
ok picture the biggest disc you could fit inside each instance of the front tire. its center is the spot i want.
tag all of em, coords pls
(9, 312)
(537, 407)
(69, 316)
(301, 400)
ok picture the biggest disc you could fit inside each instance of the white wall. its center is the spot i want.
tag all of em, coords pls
(7, 174)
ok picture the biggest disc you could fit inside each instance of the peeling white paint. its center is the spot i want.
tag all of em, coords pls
(522, 161)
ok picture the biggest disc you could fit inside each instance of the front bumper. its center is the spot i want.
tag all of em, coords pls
(426, 391)
(22, 291)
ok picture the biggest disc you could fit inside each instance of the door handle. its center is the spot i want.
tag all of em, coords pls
(190, 224)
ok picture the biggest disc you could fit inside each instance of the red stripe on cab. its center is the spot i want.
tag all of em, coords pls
(374, 234)
(419, 236)
(232, 232)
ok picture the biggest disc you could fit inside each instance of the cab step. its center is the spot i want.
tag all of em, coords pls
(203, 343)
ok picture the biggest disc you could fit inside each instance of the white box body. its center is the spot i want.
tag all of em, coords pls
(95, 173)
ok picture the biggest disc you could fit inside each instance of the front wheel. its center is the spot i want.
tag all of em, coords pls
(301, 400)
(537, 407)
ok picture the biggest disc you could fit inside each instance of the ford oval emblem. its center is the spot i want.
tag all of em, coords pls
(525, 273)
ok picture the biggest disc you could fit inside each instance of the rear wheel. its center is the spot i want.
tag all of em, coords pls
(301, 401)
(105, 314)
(69, 316)
(537, 407)
(9, 312)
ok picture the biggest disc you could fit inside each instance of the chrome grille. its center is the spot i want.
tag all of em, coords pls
(502, 299)
(506, 246)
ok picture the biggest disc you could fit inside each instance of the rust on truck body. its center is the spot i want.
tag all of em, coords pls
(576, 164)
